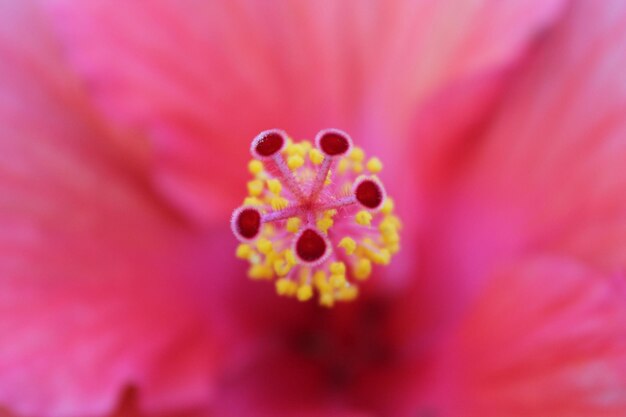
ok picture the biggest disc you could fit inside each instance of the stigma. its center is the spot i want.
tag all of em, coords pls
(317, 219)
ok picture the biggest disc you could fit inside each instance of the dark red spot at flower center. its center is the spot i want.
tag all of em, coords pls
(269, 144)
(310, 246)
(334, 144)
(248, 223)
(352, 350)
(369, 194)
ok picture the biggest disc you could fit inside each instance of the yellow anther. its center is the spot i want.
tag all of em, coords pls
(396, 221)
(244, 251)
(364, 218)
(316, 156)
(357, 154)
(391, 238)
(389, 230)
(348, 244)
(255, 167)
(343, 165)
(274, 186)
(357, 167)
(260, 271)
(270, 258)
(324, 224)
(279, 203)
(324, 287)
(254, 258)
(282, 285)
(290, 257)
(285, 286)
(305, 292)
(294, 162)
(269, 230)
(305, 276)
(378, 256)
(337, 268)
(330, 213)
(319, 279)
(306, 145)
(348, 293)
(281, 267)
(327, 299)
(252, 201)
(337, 281)
(383, 257)
(387, 206)
(394, 248)
(368, 242)
(296, 149)
(374, 165)
(362, 269)
(328, 179)
(293, 224)
(387, 226)
(264, 246)
(255, 188)
(319, 276)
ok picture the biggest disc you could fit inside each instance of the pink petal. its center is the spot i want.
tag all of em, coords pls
(549, 173)
(556, 156)
(202, 78)
(93, 267)
(546, 338)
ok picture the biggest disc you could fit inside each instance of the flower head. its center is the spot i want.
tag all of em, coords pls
(501, 125)
(316, 217)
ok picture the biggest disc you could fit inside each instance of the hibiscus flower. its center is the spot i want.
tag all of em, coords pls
(125, 130)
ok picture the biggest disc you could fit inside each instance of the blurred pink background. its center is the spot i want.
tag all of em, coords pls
(125, 129)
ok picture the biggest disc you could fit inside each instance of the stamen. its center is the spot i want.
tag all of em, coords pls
(281, 214)
(288, 178)
(332, 143)
(246, 220)
(322, 243)
(367, 191)
(267, 146)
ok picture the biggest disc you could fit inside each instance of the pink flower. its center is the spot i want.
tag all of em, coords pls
(124, 137)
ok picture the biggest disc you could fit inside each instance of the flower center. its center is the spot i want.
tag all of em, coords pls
(316, 218)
